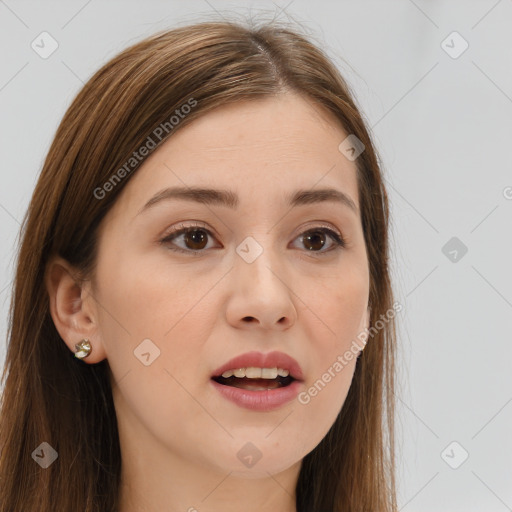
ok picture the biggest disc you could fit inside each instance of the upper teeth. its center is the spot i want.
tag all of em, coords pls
(256, 373)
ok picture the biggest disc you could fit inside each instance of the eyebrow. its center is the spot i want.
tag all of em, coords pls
(231, 200)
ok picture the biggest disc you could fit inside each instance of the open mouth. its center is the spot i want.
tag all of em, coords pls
(250, 384)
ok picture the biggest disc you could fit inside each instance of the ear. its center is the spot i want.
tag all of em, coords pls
(73, 308)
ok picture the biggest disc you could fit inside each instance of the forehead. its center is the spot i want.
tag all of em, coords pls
(277, 122)
(263, 149)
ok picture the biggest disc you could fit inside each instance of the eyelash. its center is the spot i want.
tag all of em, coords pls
(338, 244)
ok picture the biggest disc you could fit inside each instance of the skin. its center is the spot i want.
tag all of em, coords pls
(179, 437)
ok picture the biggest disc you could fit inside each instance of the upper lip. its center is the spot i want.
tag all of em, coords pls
(274, 359)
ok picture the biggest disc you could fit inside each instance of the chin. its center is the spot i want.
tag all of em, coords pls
(260, 470)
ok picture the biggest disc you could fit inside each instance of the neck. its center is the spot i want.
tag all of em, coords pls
(181, 485)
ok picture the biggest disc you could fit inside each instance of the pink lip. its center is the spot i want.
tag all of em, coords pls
(263, 400)
(259, 360)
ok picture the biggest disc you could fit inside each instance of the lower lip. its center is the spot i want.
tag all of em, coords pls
(264, 400)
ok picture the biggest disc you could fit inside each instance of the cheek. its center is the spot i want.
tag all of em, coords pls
(154, 329)
(324, 396)
(153, 323)
(333, 314)
(147, 301)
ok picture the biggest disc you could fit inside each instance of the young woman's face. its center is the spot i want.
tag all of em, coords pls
(261, 276)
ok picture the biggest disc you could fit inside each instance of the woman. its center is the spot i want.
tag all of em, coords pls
(202, 263)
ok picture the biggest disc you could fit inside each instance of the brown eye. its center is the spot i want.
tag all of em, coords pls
(194, 239)
(315, 239)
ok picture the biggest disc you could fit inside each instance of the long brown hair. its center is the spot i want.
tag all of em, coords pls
(51, 397)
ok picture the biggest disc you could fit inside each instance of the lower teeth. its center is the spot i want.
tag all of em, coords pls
(256, 385)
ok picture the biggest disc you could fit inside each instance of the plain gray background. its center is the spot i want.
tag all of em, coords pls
(441, 119)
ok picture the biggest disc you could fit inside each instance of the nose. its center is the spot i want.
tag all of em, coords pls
(261, 293)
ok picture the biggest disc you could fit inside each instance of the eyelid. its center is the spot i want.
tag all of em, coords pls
(319, 224)
(182, 225)
(301, 229)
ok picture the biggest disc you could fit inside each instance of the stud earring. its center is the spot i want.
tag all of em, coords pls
(83, 349)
